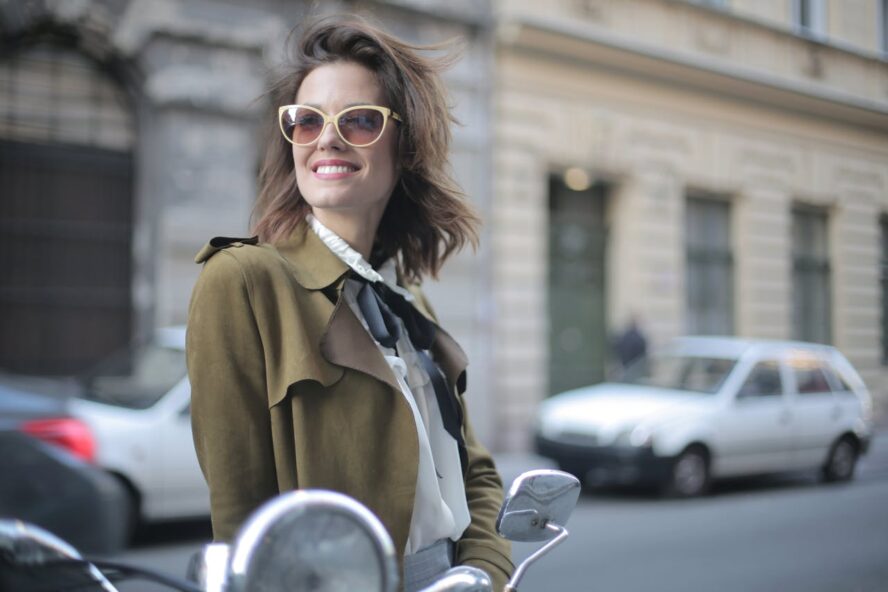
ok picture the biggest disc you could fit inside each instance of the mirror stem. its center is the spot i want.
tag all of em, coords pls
(512, 586)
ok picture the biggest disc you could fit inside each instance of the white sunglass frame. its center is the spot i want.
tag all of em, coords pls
(334, 119)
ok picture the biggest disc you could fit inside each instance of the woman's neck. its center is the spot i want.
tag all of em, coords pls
(358, 233)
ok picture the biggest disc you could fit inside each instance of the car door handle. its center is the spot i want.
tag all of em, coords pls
(785, 416)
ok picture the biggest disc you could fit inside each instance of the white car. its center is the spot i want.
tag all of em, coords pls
(136, 408)
(710, 407)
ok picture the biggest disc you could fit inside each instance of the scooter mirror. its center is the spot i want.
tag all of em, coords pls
(535, 500)
(312, 540)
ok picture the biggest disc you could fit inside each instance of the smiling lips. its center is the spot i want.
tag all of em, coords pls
(333, 169)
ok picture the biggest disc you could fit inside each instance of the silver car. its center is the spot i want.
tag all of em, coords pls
(709, 407)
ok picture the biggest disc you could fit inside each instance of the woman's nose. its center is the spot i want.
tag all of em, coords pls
(329, 138)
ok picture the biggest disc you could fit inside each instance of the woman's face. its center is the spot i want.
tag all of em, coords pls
(363, 187)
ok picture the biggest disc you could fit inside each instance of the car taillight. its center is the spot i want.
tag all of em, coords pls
(71, 434)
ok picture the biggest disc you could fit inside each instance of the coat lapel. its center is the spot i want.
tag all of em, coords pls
(451, 359)
(344, 342)
(347, 343)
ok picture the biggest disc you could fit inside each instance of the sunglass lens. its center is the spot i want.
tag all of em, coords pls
(301, 125)
(361, 126)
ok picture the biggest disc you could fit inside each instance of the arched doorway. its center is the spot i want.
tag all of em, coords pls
(66, 211)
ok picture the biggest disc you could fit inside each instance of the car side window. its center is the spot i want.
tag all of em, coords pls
(835, 379)
(763, 381)
(810, 378)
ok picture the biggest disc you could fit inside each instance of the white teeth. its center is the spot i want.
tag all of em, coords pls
(329, 170)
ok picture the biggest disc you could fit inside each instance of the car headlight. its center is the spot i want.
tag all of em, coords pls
(639, 436)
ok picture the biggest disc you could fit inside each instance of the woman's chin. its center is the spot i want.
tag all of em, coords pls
(334, 201)
(342, 204)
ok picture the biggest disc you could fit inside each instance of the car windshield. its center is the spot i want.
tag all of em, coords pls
(699, 374)
(136, 377)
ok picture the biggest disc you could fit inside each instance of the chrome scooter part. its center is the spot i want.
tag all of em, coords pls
(30, 545)
(312, 541)
(462, 579)
(537, 506)
(209, 566)
(561, 534)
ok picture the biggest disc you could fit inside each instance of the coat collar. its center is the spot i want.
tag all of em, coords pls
(344, 341)
(313, 264)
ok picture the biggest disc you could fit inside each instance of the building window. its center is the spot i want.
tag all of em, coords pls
(51, 94)
(883, 278)
(883, 26)
(810, 17)
(811, 281)
(710, 267)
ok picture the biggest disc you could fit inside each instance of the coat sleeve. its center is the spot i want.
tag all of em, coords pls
(229, 405)
(480, 545)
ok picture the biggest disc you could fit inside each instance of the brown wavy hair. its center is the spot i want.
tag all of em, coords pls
(427, 217)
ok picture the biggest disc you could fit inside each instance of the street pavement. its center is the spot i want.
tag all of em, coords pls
(785, 534)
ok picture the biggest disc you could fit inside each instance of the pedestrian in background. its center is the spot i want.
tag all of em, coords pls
(630, 345)
(315, 361)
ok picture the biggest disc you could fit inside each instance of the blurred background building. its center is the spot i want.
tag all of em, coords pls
(702, 167)
(710, 167)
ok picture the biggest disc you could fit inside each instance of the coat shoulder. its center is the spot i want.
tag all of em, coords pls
(254, 258)
(220, 243)
(229, 261)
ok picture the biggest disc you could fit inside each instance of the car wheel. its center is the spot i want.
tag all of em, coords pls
(689, 474)
(841, 462)
(130, 510)
(132, 517)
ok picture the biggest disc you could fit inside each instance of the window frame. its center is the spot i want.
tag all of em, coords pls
(779, 366)
(86, 103)
(834, 377)
(808, 267)
(883, 28)
(701, 259)
(817, 17)
(797, 363)
(883, 285)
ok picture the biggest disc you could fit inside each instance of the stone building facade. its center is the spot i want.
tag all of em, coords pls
(720, 167)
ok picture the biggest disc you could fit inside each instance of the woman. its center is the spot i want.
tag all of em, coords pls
(312, 360)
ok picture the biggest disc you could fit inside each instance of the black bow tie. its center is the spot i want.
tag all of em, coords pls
(380, 306)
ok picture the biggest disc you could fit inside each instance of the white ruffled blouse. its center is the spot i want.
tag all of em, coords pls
(440, 509)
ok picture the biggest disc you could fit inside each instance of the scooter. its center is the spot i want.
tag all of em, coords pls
(301, 541)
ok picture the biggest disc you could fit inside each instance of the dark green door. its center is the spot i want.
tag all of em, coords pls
(577, 240)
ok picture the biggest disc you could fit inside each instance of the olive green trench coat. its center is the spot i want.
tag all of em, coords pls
(290, 392)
